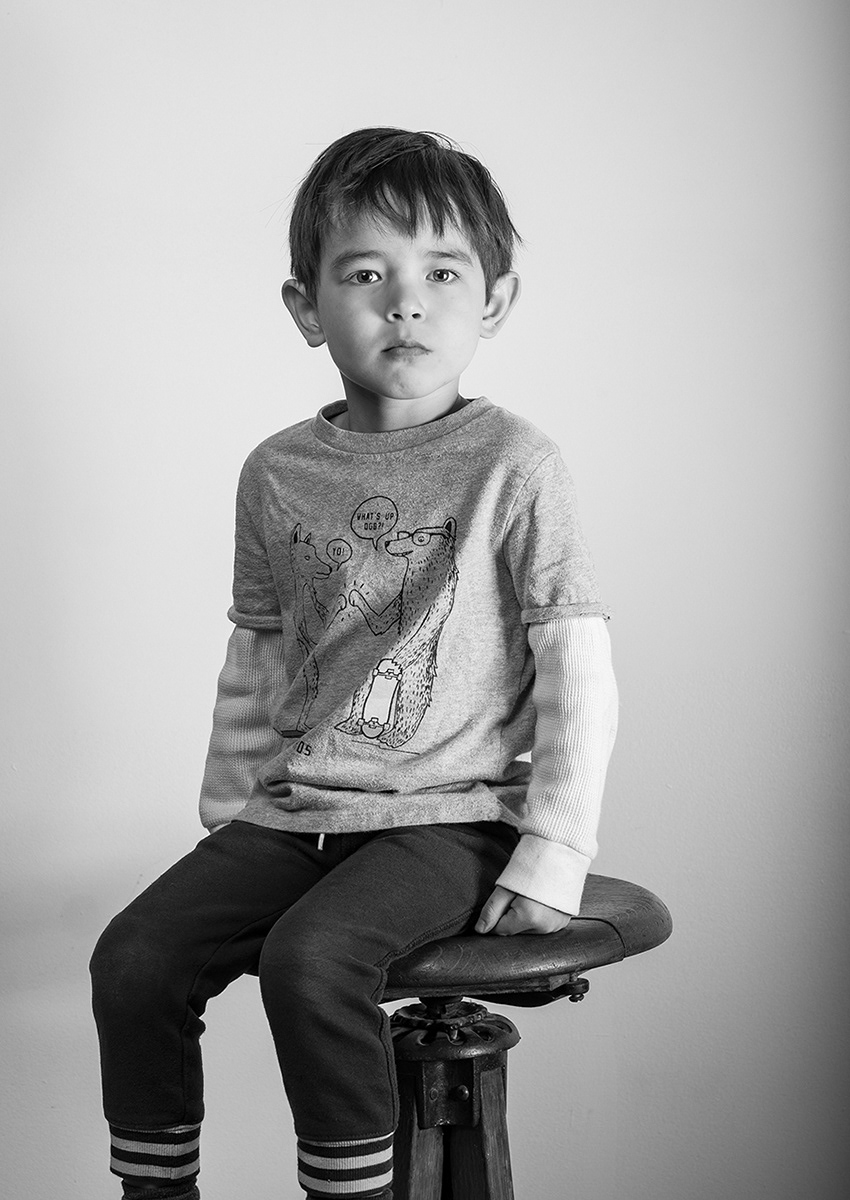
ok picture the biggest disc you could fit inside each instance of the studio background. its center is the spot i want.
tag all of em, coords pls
(679, 172)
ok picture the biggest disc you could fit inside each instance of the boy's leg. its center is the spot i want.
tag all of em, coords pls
(323, 971)
(179, 943)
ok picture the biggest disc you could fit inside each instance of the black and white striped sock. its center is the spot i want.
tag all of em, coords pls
(166, 1156)
(358, 1169)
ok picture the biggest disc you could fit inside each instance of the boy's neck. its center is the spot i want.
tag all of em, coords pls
(368, 413)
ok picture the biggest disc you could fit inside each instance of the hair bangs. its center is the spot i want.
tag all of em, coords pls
(407, 180)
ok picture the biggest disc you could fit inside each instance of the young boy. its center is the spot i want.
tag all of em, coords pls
(414, 609)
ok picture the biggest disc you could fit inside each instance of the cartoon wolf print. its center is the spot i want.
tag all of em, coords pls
(307, 566)
(390, 705)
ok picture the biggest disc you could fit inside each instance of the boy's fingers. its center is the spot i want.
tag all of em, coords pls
(498, 903)
(512, 922)
(529, 916)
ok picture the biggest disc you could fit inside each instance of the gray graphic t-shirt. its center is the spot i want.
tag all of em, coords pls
(401, 569)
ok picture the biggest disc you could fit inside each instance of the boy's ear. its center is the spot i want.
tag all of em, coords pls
(303, 312)
(498, 308)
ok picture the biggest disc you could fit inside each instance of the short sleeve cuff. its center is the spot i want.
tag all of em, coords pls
(556, 612)
(253, 620)
(549, 872)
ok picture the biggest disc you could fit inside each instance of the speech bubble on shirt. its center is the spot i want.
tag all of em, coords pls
(374, 518)
(338, 551)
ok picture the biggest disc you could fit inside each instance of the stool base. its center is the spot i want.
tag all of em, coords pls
(452, 1139)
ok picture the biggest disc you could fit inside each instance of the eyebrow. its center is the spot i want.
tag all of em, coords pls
(452, 254)
(349, 256)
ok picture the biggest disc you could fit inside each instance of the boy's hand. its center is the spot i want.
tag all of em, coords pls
(506, 913)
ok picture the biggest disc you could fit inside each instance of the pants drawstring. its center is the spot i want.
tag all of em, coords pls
(321, 841)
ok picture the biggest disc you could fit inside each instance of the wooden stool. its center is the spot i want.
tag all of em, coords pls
(451, 1055)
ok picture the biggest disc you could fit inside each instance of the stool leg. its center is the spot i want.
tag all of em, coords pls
(479, 1157)
(452, 1142)
(418, 1153)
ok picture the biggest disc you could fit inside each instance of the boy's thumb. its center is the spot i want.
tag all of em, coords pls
(497, 905)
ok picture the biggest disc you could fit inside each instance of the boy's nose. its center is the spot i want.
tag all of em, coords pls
(405, 305)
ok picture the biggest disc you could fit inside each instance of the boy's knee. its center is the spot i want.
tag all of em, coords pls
(301, 962)
(127, 960)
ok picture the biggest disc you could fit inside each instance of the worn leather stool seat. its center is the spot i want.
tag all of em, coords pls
(451, 1055)
(617, 919)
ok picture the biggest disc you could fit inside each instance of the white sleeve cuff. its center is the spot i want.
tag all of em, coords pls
(549, 872)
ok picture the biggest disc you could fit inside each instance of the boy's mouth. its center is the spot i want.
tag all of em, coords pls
(403, 348)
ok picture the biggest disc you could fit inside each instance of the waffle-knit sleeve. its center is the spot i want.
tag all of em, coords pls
(575, 696)
(243, 738)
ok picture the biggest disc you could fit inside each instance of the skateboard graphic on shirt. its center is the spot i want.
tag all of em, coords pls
(388, 707)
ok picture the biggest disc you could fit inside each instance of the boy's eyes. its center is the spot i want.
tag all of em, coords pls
(367, 275)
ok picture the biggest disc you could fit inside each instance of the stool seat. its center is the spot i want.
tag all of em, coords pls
(451, 1054)
(617, 919)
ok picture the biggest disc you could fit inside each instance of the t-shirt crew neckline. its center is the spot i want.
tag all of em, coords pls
(396, 439)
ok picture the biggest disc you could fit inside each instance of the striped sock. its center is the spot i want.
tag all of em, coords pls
(161, 1155)
(360, 1169)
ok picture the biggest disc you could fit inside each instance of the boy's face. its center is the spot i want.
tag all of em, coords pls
(401, 315)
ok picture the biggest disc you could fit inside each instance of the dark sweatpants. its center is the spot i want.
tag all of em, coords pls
(321, 927)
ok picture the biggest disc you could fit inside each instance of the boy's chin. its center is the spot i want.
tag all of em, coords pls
(392, 394)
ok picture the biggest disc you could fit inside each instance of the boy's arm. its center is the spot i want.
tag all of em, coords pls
(575, 695)
(242, 738)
